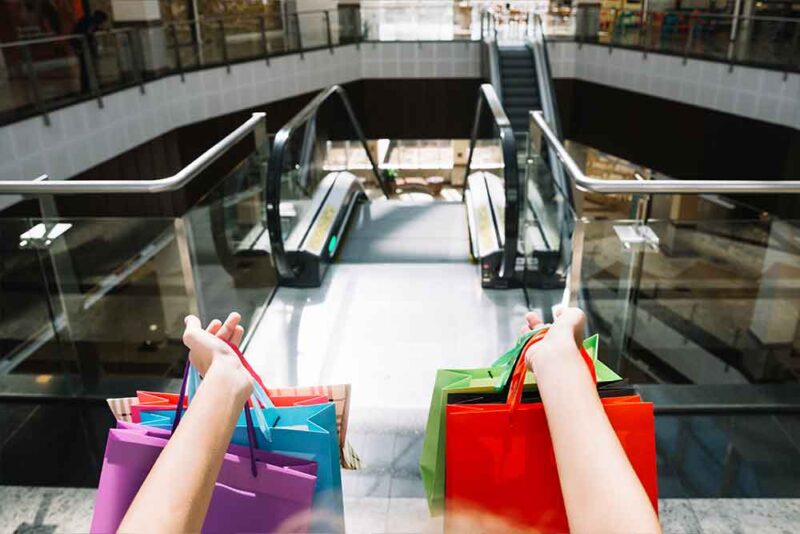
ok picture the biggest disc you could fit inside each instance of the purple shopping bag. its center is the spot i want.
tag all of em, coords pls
(256, 490)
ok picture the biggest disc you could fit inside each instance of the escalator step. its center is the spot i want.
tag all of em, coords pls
(519, 82)
(532, 89)
(517, 101)
(518, 71)
(516, 62)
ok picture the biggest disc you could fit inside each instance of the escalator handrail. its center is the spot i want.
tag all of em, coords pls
(275, 169)
(547, 95)
(488, 95)
(648, 187)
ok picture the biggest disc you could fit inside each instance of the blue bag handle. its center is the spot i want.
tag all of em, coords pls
(251, 433)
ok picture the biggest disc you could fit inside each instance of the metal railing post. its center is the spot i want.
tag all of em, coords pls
(178, 62)
(118, 56)
(137, 66)
(34, 84)
(224, 44)
(197, 44)
(689, 39)
(296, 17)
(94, 86)
(328, 29)
(262, 28)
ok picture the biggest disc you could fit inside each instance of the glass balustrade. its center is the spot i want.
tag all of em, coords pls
(93, 307)
(43, 74)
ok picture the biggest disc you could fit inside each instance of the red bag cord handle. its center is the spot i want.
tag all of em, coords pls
(246, 365)
(520, 370)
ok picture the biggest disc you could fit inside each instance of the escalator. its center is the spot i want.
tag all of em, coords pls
(514, 225)
(518, 86)
(521, 74)
(318, 216)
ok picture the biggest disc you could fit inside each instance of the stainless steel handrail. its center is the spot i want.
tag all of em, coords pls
(171, 183)
(648, 187)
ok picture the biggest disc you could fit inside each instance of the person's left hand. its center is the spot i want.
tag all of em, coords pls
(204, 346)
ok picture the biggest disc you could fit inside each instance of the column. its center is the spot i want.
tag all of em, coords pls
(143, 16)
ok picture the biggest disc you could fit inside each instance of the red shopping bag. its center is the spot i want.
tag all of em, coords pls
(499, 458)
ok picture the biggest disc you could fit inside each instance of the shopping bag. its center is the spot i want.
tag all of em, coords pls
(256, 491)
(499, 458)
(489, 380)
(307, 432)
(160, 401)
(129, 409)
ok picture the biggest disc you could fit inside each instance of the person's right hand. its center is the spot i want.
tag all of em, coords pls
(561, 340)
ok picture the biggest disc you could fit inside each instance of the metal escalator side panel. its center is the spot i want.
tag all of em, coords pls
(495, 188)
(471, 225)
(298, 234)
(481, 212)
(332, 215)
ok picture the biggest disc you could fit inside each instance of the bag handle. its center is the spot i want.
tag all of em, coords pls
(520, 369)
(259, 398)
(251, 434)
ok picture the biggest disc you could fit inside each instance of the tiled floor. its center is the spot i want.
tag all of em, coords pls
(384, 320)
(50, 510)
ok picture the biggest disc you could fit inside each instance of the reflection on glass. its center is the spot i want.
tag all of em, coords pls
(713, 302)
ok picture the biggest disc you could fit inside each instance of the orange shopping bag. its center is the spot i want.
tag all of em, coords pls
(500, 462)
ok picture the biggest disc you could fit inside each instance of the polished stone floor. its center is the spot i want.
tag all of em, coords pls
(51, 510)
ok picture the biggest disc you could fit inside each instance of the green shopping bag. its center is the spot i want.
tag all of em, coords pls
(483, 380)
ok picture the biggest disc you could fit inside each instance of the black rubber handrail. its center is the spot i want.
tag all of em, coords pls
(487, 95)
(275, 169)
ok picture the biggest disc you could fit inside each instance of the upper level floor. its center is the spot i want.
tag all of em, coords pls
(72, 97)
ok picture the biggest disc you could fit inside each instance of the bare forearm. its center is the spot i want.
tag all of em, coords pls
(601, 490)
(177, 492)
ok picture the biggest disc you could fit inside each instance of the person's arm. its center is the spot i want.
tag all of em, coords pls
(176, 494)
(601, 490)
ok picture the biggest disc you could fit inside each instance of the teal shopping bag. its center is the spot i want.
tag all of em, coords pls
(307, 432)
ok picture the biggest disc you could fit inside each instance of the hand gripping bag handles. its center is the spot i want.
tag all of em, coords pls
(476, 383)
(306, 431)
(500, 460)
(256, 491)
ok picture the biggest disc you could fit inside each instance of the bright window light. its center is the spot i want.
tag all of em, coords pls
(37, 232)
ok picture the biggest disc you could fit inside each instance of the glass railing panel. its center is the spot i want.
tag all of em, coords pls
(298, 181)
(703, 317)
(727, 456)
(15, 93)
(212, 39)
(93, 307)
(546, 213)
(74, 330)
(183, 51)
(109, 62)
(58, 71)
(314, 28)
(769, 42)
(243, 38)
(229, 246)
(695, 302)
